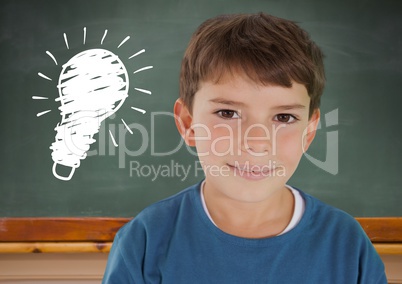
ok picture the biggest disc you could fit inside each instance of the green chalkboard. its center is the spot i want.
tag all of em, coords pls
(353, 163)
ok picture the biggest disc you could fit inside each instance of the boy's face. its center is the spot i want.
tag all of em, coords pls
(249, 137)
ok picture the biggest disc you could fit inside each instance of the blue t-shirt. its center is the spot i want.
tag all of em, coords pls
(174, 241)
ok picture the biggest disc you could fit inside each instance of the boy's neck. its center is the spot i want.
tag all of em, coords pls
(250, 220)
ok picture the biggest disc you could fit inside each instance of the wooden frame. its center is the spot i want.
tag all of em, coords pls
(69, 235)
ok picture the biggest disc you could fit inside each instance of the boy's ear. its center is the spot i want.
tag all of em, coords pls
(183, 120)
(310, 131)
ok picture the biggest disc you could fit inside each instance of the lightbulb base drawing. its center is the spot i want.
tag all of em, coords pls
(62, 177)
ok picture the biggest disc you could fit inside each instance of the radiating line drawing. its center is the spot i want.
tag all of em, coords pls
(128, 128)
(104, 35)
(143, 91)
(113, 139)
(39, 98)
(124, 41)
(85, 35)
(139, 110)
(52, 56)
(92, 86)
(44, 76)
(138, 53)
(142, 69)
(43, 112)
(65, 40)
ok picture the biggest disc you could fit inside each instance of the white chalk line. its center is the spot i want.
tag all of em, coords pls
(44, 76)
(138, 53)
(139, 110)
(143, 68)
(128, 128)
(112, 137)
(85, 35)
(65, 40)
(42, 113)
(124, 40)
(104, 35)
(39, 98)
(143, 91)
(52, 57)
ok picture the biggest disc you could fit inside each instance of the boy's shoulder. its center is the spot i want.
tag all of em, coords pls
(329, 218)
(320, 207)
(164, 212)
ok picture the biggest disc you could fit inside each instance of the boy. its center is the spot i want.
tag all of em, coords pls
(250, 89)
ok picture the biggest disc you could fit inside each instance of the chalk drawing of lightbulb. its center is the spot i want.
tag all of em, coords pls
(92, 86)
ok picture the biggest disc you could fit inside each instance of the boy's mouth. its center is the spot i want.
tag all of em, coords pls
(263, 170)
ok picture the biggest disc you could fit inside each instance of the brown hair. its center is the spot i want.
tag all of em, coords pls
(269, 50)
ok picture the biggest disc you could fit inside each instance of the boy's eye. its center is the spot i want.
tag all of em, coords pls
(285, 118)
(227, 113)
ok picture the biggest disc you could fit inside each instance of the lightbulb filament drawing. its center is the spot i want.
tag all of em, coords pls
(92, 86)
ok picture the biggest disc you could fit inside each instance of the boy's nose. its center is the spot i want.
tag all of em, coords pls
(257, 139)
